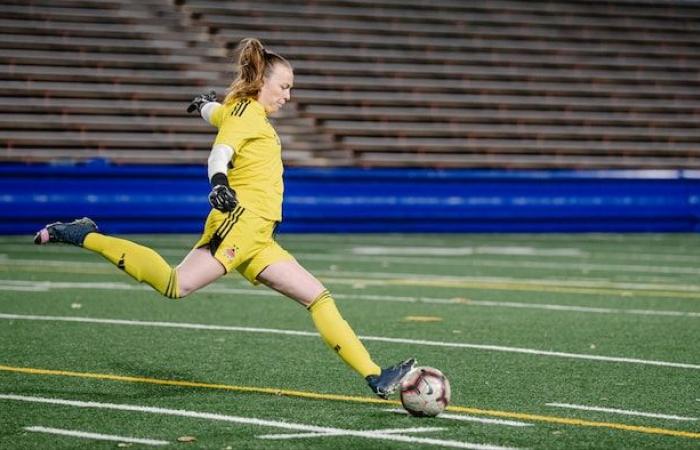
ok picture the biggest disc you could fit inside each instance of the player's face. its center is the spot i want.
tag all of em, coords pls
(277, 88)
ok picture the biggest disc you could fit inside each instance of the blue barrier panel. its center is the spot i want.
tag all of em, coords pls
(145, 199)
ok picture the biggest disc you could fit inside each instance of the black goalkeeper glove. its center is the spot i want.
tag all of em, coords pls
(222, 197)
(199, 101)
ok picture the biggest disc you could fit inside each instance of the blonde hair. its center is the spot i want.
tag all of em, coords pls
(253, 65)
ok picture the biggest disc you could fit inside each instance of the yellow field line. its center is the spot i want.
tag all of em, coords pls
(575, 422)
(349, 398)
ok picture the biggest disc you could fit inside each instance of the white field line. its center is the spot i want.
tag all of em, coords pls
(427, 262)
(510, 250)
(592, 283)
(467, 418)
(11, 287)
(506, 263)
(622, 411)
(55, 263)
(45, 286)
(644, 243)
(542, 241)
(96, 436)
(451, 260)
(495, 348)
(633, 246)
(506, 238)
(437, 237)
(378, 277)
(312, 435)
(507, 250)
(653, 258)
(516, 250)
(251, 421)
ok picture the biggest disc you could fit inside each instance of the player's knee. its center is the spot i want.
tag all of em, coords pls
(183, 290)
(186, 286)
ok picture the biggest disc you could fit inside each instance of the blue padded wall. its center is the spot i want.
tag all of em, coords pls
(150, 199)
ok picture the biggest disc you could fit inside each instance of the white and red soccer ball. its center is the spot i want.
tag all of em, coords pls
(425, 392)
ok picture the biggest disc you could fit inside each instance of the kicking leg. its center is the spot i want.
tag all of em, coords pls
(292, 280)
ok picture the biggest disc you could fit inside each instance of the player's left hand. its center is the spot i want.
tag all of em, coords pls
(199, 101)
(223, 198)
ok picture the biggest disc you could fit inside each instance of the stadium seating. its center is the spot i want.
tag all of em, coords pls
(444, 83)
(112, 79)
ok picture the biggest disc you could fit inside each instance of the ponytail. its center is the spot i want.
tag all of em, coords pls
(253, 66)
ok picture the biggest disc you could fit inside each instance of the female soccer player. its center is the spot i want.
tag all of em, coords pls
(245, 171)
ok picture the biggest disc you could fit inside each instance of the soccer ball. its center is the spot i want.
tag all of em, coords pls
(425, 392)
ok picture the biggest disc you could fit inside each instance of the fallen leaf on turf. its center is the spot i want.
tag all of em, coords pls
(186, 439)
(422, 319)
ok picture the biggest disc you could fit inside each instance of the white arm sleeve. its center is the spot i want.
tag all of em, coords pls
(207, 111)
(219, 158)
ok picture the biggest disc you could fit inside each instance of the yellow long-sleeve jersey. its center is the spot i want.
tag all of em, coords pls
(255, 170)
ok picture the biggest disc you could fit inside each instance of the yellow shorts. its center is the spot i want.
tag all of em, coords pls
(243, 241)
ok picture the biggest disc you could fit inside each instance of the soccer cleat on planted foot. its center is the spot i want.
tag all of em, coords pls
(386, 382)
(68, 233)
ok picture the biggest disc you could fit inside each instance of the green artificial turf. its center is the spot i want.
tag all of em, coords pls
(517, 322)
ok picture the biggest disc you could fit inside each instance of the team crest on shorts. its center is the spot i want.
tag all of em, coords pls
(231, 253)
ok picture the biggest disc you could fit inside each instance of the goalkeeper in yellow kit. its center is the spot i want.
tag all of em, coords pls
(245, 171)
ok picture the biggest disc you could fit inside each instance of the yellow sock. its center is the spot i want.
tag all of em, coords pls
(142, 263)
(339, 336)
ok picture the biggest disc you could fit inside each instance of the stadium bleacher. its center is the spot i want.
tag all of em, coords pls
(499, 84)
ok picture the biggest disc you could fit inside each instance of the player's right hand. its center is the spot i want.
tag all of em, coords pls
(223, 198)
(199, 101)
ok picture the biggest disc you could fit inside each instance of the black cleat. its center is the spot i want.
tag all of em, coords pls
(386, 382)
(68, 233)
